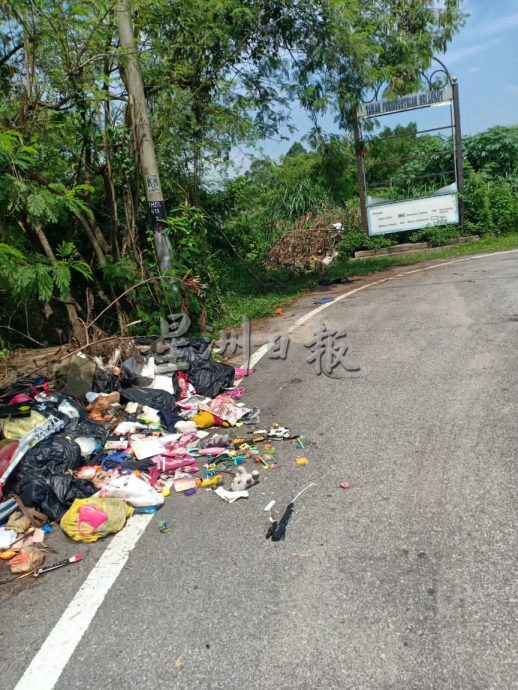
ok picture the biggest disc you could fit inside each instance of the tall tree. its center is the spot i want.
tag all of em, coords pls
(352, 46)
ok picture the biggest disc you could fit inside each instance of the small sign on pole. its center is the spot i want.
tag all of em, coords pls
(389, 106)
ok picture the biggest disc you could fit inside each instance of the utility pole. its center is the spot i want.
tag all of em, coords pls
(360, 169)
(142, 130)
(459, 161)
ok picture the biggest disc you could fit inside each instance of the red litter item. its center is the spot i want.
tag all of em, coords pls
(60, 564)
(166, 464)
(237, 392)
(87, 471)
(345, 485)
(6, 454)
(183, 384)
(240, 372)
(20, 398)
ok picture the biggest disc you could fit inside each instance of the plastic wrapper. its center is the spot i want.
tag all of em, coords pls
(16, 427)
(27, 560)
(7, 537)
(134, 491)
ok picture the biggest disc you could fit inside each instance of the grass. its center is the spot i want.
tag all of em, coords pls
(258, 296)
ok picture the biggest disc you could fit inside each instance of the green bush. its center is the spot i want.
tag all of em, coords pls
(357, 240)
(436, 236)
(477, 205)
(491, 204)
(504, 207)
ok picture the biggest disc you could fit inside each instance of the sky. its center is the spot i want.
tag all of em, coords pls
(484, 58)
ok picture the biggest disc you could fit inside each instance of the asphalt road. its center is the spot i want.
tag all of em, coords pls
(407, 580)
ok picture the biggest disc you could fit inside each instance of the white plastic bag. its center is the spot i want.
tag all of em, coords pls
(7, 537)
(134, 491)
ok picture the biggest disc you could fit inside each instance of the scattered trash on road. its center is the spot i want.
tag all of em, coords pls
(137, 425)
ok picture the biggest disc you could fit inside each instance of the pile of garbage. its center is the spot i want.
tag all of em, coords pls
(309, 244)
(118, 438)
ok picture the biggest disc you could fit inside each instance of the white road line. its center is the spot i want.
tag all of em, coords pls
(258, 355)
(47, 666)
(262, 350)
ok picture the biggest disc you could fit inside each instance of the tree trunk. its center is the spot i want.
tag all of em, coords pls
(107, 172)
(101, 258)
(75, 322)
(137, 101)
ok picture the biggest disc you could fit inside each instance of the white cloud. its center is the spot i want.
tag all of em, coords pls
(459, 54)
(506, 23)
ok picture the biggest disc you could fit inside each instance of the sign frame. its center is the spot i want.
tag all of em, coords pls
(437, 93)
(413, 214)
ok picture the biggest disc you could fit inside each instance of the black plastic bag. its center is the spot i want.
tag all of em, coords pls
(155, 398)
(130, 373)
(87, 427)
(41, 478)
(55, 455)
(209, 377)
(193, 350)
(53, 494)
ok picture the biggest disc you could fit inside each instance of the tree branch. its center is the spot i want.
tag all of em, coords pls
(5, 58)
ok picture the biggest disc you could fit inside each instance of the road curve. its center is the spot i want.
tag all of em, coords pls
(404, 581)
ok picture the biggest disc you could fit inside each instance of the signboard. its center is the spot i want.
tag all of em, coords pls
(400, 216)
(157, 210)
(387, 106)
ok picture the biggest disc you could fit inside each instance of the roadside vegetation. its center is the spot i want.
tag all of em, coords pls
(74, 230)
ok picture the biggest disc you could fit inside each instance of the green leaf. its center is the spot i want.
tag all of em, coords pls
(37, 206)
(9, 250)
(43, 278)
(65, 249)
(62, 277)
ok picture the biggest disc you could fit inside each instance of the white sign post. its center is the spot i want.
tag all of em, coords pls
(400, 216)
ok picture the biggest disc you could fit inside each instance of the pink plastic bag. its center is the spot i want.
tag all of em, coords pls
(89, 515)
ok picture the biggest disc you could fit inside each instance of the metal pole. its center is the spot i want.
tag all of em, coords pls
(142, 129)
(459, 161)
(360, 168)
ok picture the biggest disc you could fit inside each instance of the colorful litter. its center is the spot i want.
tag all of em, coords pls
(126, 437)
